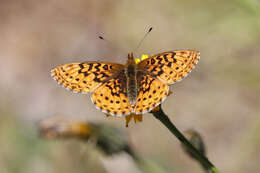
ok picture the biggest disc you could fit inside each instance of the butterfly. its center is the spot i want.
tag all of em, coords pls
(133, 88)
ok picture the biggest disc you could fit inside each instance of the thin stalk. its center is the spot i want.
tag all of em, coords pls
(160, 115)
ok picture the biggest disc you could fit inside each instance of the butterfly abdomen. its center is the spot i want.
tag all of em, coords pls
(130, 72)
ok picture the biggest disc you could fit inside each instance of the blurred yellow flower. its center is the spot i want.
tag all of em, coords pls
(143, 57)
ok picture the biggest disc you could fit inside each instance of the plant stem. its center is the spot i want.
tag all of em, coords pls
(160, 115)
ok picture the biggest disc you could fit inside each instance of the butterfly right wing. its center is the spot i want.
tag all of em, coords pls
(84, 77)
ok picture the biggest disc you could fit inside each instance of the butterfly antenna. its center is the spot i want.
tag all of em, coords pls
(102, 38)
(111, 44)
(140, 43)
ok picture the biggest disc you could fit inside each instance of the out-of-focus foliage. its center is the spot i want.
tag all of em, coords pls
(196, 140)
(220, 98)
(109, 139)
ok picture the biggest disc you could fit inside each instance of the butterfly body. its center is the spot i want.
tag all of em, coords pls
(136, 88)
(131, 84)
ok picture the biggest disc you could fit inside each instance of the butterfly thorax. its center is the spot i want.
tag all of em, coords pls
(131, 83)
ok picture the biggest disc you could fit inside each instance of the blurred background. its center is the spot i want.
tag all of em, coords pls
(220, 98)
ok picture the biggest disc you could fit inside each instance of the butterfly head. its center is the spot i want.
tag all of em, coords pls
(130, 59)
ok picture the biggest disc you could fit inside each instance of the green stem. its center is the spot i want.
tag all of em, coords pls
(160, 115)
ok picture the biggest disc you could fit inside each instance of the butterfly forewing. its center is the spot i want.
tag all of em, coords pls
(170, 67)
(85, 77)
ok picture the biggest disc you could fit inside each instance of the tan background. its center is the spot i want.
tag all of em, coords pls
(220, 98)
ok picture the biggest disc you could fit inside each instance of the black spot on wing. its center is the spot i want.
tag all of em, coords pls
(105, 67)
(152, 61)
(97, 66)
(169, 64)
(154, 69)
(86, 74)
(160, 73)
(165, 57)
(159, 59)
(96, 79)
(90, 66)
(104, 74)
(81, 66)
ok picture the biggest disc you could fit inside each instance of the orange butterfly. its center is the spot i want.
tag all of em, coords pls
(136, 88)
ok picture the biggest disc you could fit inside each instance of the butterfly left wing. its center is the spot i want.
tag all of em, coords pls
(171, 67)
(84, 77)
(111, 96)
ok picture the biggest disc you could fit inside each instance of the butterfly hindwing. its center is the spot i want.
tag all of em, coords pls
(151, 92)
(111, 97)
